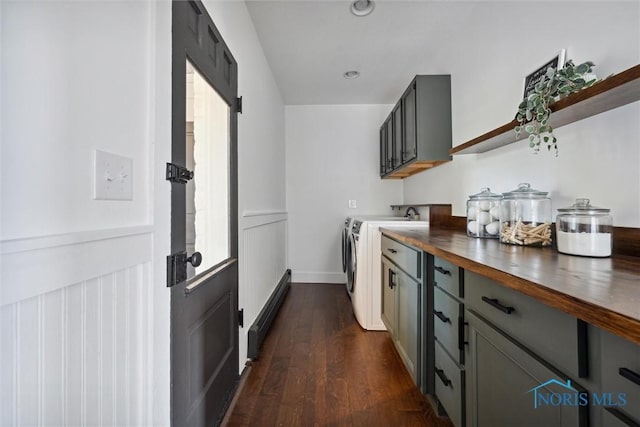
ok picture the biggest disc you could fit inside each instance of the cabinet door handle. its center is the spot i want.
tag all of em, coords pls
(393, 251)
(493, 302)
(391, 279)
(446, 381)
(461, 325)
(442, 317)
(442, 270)
(634, 377)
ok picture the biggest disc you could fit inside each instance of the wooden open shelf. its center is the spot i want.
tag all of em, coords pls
(618, 90)
(414, 168)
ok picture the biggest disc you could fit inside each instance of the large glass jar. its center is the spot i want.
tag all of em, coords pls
(525, 217)
(586, 230)
(483, 214)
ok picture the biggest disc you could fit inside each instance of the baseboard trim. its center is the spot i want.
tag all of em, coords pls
(317, 277)
(260, 327)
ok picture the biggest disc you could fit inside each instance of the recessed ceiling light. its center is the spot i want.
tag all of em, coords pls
(362, 7)
(352, 74)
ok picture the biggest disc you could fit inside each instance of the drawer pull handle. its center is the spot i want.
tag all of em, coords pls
(442, 270)
(393, 251)
(446, 381)
(493, 302)
(634, 377)
(442, 317)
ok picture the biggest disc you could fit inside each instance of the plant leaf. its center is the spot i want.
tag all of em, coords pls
(582, 68)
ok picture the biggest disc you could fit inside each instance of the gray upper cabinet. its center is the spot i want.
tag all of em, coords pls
(421, 127)
(396, 115)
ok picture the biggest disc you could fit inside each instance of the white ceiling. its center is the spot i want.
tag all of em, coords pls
(310, 44)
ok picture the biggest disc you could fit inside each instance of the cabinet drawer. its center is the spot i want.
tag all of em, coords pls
(621, 371)
(449, 381)
(447, 321)
(405, 257)
(447, 276)
(554, 335)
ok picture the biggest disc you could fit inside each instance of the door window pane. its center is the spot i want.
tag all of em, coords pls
(207, 155)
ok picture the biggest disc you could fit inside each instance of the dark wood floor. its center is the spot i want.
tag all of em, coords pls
(318, 367)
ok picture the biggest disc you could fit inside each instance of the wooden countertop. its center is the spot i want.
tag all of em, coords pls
(604, 292)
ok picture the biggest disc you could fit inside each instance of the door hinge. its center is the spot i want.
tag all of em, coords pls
(241, 317)
(178, 174)
(239, 105)
(176, 268)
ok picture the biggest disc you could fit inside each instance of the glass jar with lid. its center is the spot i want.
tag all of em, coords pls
(582, 229)
(525, 217)
(483, 214)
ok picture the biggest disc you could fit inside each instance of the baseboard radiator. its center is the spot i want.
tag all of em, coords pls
(260, 327)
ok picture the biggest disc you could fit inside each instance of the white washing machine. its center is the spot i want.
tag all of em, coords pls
(365, 288)
(348, 248)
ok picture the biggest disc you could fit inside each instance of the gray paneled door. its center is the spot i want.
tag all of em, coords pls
(204, 301)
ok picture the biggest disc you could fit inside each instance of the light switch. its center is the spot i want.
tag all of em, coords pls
(352, 204)
(112, 177)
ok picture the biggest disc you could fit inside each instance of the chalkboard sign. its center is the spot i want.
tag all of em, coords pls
(533, 78)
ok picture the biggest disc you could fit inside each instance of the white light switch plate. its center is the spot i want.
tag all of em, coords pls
(353, 204)
(112, 177)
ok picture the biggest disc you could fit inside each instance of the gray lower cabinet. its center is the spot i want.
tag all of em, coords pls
(508, 385)
(408, 322)
(448, 332)
(401, 302)
(388, 296)
(620, 381)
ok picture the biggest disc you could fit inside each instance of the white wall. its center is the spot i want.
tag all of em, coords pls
(76, 81)
(332, 157)
(77, 282)
(261, 165)
(598, 156)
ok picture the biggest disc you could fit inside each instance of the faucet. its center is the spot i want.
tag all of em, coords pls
(412, 213)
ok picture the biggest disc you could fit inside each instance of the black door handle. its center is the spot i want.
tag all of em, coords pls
(195, 259)
(446, 381)
(393, 251)
(634, 377)
(442, 317)
(493, 302)
(442, 270)
(391, 281)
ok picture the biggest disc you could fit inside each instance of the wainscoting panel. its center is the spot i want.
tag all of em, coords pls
(263, 261)
(78, 355)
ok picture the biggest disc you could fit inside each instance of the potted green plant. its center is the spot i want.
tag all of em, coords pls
(533, 113)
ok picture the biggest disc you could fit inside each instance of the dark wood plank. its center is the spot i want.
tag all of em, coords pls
(319, 368)
(612, 92)
(604, 292)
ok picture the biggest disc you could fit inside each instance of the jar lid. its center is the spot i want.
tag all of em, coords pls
(485, 193)
(583, 206)
(524, 191)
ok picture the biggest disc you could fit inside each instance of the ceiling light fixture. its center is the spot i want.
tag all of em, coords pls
(362, 7)
(353, 74)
